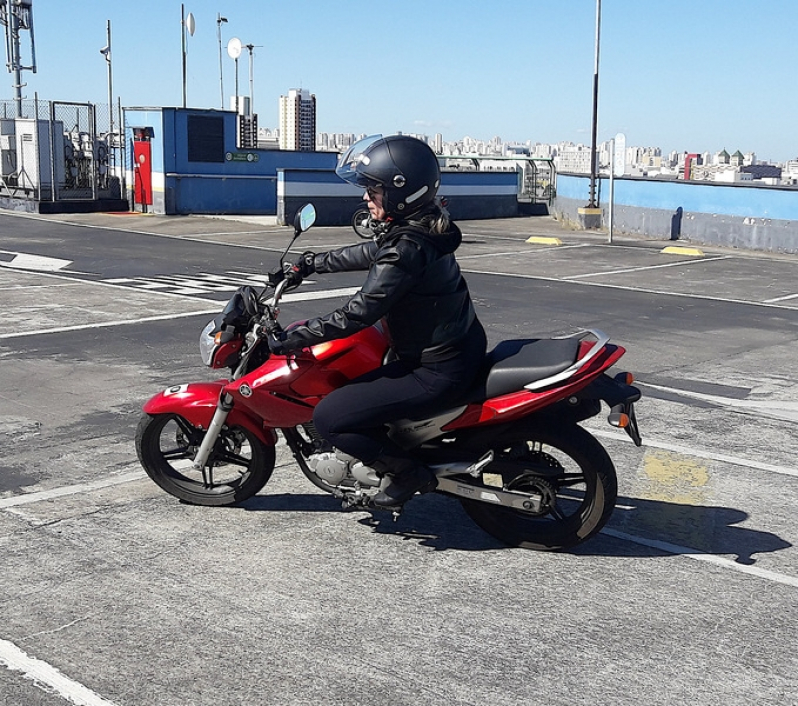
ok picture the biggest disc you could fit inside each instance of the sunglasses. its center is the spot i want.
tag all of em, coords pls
(374, 190)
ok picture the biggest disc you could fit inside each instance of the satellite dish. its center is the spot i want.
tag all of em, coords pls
(234, 48)
(190, 24)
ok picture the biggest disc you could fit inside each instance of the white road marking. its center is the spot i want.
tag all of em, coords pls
(24, 261)
(781, 299)
(108, 324)
(779, 409)
(700, 453)
(47, 677)
(38, 496)
(519, 252)
(296, 297)
(626, 288)
(689, 553)
(643, 268)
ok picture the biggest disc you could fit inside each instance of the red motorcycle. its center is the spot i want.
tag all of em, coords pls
(512, 451)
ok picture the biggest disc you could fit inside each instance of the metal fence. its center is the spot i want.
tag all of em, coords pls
(59, 151)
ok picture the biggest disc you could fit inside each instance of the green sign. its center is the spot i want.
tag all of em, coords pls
(242, 157)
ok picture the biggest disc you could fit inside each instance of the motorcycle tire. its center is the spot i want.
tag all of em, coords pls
(361, 223)
(238, 467)
(569, 469)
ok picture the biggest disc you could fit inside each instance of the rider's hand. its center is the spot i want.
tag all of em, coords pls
(276, 341)
(303, 266)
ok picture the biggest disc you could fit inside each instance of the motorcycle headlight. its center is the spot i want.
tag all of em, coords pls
(207, 343)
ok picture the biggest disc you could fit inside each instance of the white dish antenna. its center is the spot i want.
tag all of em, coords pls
(190, 24)
(234, 47)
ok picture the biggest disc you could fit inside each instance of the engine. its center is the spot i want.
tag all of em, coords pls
(334, 467)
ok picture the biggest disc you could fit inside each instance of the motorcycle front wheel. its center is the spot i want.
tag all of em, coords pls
(238, 467)
(568, 469)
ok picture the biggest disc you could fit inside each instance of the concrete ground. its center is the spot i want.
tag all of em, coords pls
(112, 592)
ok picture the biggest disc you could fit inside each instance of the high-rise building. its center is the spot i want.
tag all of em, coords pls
(298, 120)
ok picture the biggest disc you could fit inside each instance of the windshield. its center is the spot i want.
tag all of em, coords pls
(349, 161)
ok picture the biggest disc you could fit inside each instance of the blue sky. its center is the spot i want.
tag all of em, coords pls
(690, 75)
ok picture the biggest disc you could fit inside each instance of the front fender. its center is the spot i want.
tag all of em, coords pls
(197, 401)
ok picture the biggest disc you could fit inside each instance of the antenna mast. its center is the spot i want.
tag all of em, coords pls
(17, 15)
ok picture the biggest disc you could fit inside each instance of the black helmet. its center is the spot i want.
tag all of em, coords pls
(406, 168)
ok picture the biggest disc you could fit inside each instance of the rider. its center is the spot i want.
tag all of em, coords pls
(415, 286)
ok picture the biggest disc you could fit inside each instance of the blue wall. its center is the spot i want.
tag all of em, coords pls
(246, 187)
(743, 215)
(469, 195)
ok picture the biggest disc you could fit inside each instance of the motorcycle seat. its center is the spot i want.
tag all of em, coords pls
(513, 364)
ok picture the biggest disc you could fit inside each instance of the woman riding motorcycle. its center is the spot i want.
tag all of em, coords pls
(415, 286)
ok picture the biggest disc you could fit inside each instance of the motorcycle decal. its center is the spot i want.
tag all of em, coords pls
(175, 390)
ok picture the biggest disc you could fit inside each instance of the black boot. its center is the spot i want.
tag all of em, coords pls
(406, 478)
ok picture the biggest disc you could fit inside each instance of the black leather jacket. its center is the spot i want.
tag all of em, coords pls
(413, 282)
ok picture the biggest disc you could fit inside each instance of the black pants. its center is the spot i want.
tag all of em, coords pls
(353, 418)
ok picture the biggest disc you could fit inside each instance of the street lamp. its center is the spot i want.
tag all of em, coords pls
(250, 48)
(219, 21)
(593, 157)
(106, 52)
(187, 23)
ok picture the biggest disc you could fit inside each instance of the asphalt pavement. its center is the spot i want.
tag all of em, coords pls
(114, 593)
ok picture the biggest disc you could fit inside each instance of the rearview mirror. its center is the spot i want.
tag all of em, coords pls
(305, 218)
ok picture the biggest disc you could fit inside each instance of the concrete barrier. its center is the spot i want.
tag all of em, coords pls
(470, 195)
(746, 216)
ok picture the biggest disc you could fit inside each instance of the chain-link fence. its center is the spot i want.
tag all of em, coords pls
(56, 151)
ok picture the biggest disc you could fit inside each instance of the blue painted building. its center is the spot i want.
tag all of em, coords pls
(184, 160)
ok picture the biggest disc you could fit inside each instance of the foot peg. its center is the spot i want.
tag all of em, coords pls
(475, 469)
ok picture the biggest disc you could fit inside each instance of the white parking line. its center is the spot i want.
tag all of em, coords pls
(643, 268)
(689, 553)
(47, 677)
(781, 299)
(304, 296)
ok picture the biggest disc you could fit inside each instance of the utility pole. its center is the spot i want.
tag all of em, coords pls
(219, 21)
(593, 157)
(16, 16)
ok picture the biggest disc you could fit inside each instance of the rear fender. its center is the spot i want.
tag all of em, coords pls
(197, 401)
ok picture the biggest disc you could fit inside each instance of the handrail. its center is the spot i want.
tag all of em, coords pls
(601, 340)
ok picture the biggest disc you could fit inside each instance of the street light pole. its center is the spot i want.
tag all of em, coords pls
(107, 52)
(186, 23)
(593, 156)
(219, 21)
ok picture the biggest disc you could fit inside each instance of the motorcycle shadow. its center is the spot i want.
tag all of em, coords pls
(639, 527)
(642, 527)
(431, 520)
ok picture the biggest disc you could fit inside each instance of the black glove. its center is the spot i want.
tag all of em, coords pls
(276, 341)
(303, 266)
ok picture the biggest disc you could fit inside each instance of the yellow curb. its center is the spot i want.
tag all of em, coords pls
(677, 250)
(541, 240)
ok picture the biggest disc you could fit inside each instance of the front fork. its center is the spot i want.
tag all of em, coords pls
(223, 407)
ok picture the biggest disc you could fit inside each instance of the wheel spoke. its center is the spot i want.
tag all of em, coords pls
(179, 452)
(235, 459)
(570, 479)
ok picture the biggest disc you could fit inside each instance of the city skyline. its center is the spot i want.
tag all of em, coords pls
(680, 75)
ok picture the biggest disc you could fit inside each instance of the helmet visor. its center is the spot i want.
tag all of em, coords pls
(350, 160)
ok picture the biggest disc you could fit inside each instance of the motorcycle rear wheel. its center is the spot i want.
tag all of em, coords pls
(573, 473)
(238, 467)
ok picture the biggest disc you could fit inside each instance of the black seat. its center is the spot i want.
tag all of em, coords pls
(513, 364)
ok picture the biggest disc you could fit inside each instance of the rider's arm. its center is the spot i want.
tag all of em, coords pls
(391, 275)
(347, 259)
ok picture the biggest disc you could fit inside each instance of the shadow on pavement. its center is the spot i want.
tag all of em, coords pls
(440, 523)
